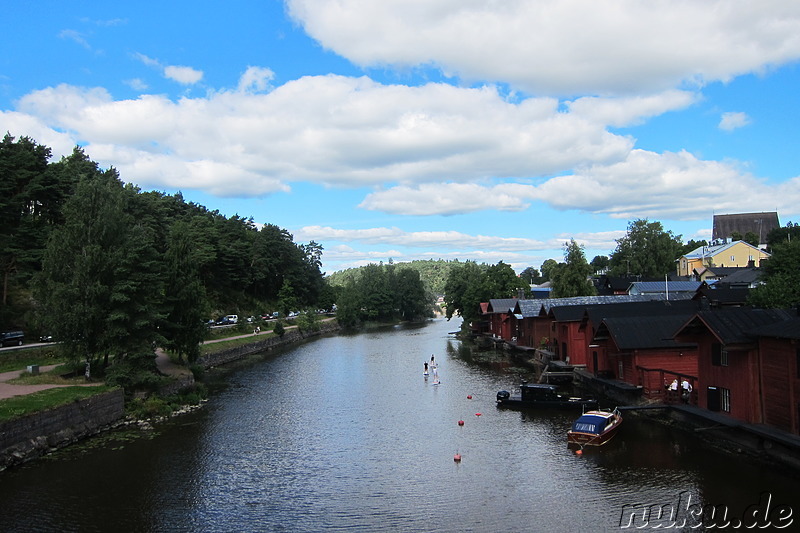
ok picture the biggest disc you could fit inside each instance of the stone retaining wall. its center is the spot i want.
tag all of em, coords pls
(268, 343)
(34, 435)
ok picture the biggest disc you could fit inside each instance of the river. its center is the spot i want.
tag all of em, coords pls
(344, 433)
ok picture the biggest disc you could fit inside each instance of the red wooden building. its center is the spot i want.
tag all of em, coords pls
(729, 360)
(779, 360)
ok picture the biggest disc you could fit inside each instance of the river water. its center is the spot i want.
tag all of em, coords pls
(344, 433)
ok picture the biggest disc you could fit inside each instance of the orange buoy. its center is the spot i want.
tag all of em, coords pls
(457, 458)
(578, 452)
(460, 422)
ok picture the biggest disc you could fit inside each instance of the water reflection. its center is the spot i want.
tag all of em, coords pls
(344, 433)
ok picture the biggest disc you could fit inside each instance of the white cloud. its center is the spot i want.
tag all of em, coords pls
(181, 74)
(137, 84)
(733, 120)
(184, 75)
(433, 149)
(563, 47)
(256, 79)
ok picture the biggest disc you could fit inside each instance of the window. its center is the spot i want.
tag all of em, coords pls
(725, 400)
(719, 356)
(733, 258)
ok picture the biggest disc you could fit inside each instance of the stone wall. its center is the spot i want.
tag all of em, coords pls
(268, 343)
(34, 435)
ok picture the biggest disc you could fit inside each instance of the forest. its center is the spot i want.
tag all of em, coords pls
(108, 269)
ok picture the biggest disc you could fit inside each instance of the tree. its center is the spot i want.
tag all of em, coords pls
(599, 263)
(572, 277)
(531, 276)
(99, 282)
(502, 281)
(185, 296)
(646, 250)
(547, 269)
(781, 278)
(464, 291)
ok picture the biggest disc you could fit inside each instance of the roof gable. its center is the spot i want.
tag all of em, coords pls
(759, 223)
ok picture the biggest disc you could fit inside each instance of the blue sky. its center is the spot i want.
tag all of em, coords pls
(416, 129)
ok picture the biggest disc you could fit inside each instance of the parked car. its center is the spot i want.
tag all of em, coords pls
(13, 338)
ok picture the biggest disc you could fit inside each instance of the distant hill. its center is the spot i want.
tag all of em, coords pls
(433, 272)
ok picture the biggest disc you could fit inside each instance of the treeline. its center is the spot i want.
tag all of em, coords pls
(432, 272)
(382, 293)
(110, 270)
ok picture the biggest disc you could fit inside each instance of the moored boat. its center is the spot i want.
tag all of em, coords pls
(594, 428)
(542, 395)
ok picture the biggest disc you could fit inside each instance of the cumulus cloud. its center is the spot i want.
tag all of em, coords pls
(184, 75)
(256, 79)
(733, 120)
(336, 130)
(401, 246)
(563, 47)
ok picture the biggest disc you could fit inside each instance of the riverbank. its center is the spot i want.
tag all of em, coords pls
(31, 436)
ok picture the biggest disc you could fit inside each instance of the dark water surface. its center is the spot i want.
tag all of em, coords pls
(344, 433)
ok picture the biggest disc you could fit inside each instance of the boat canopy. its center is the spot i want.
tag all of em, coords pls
(594, 424)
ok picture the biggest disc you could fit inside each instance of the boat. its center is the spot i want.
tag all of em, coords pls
(594, 428)
(542, 395)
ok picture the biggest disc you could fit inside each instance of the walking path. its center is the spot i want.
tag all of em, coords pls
(163, 362)
(8, 390)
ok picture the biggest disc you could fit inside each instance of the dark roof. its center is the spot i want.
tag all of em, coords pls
(642, 332)
(651, 287)
(788, 329)
(722, 295)
(759, 223)
(732, 325)
(501, 305)
(529, 308)
(743, 276)
(722, 272)
(686, 308)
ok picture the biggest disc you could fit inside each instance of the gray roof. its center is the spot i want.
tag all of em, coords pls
(501, 305)
(734, 325)
(529, 308)
(759, 223)
(656, 287)
(642, 332)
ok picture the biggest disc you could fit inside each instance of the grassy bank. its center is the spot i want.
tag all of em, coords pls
(22, 358)
(46, 399)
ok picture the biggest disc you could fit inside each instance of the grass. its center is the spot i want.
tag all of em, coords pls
(17, 359)
(18, 406)
(233, 343)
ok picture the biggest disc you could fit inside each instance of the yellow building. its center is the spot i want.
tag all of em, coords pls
(732, 254)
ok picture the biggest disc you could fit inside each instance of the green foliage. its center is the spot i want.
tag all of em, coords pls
(383, 293)
(548, 267)
(279, 330)
(531, 276)
(572, 277)
(136, 372)
(646, 250)
(781, 287)
(470, 284)
(308, 322)
(599, 263)
(433, 273)
(788, 233)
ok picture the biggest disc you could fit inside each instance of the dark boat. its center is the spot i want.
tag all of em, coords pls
(542, 395)
(594, 428)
